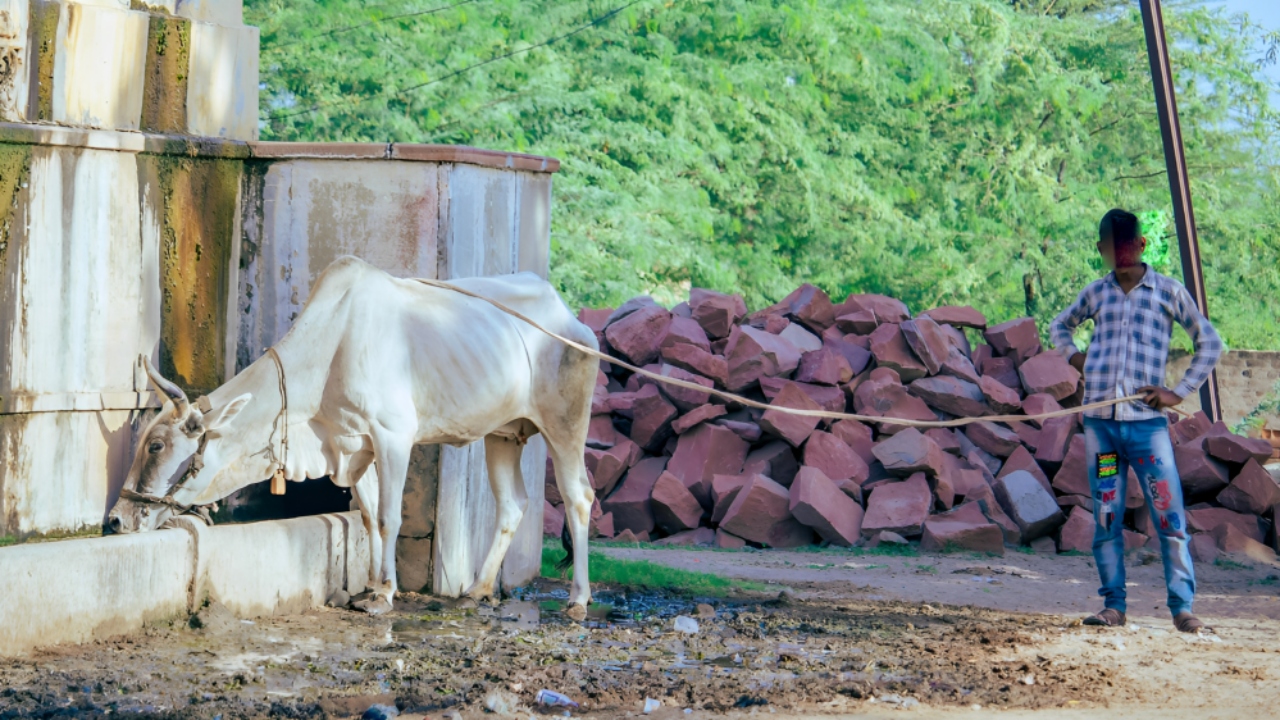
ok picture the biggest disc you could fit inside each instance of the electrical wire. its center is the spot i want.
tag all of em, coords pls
(586, 26)
(349, 28)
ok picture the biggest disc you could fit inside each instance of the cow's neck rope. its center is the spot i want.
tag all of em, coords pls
(197, 460)
(738, 399)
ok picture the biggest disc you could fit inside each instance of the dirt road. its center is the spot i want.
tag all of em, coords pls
(857, 635)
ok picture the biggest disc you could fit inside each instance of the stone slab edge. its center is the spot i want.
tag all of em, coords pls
(75, 591)
(191, 146)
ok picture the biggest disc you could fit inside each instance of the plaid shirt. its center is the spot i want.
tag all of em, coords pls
(1130, 344)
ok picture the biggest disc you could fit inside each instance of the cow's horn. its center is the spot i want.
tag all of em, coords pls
(171, 390)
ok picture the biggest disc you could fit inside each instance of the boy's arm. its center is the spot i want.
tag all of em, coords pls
(1203, 336)
(1062, 329)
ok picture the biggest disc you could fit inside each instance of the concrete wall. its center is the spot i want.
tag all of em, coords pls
(170, 66)
(87, 589)
(1245, 378)
(117, 244)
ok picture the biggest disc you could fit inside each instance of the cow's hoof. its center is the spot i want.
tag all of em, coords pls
(375, 605)
(576, 612)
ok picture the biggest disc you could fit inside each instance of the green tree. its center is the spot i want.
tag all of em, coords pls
(953, 152)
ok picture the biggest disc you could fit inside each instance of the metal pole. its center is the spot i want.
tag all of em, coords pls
(1179, 187)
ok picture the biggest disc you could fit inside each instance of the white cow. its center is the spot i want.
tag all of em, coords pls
(373, 366)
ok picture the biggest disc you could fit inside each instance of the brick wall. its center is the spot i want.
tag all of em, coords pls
(1245, 378)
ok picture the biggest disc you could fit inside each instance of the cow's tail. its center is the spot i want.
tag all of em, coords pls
(566, 540)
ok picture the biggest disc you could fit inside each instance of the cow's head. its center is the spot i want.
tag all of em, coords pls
(165, 451)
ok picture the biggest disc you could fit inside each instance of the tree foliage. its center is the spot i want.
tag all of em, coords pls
(949, 152)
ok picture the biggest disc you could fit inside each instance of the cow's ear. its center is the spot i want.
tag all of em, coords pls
(219, 419)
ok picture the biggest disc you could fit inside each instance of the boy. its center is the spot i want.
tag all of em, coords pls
(1133, 309)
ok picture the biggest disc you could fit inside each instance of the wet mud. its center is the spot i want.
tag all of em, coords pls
(432, 657)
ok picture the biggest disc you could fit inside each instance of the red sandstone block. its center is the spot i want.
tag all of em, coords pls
(630, 501)
(909, 452)
(857, 436)
(855, 354)
(603, 527)
(753, 354)
(759, 506)
(775, 461)
(684, 399)
(717, 313)
(1049, 373)
(748, 431)
(1038, 404)
(900, 507)
(552, 520)
(674, 507)
(1200, 473)
(963, 528)
(600, 433)
(1204, 549)
(695, 417)
(958, 365)
(703, 453)
(946, 439)
(1020, 459)
(986, 496)
(809, 306)
(817, 502)
(628, 537)
(828, 398)
(638, 336)
(729, 541)
(824, 367)
(858, 322)
(1002, 399)
(928, 341)
(1073, 476)
(890, 350)
(958, 316)
(993, 438)
(697, 360)
(651, 420)
(886, 309)
(1232, 541)
(837, 461)
(1077, 532)
(1003, 370)
(1253, 491)
(1238, 450)
(882, 395)
(1027, 503)
(795, 429)
(698, 537)
(1018, 339)
(1055, 439)
(951, 395)
(1202, 518)
(1190, 428)
(685, 331)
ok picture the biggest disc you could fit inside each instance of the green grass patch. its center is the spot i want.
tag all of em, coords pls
(1075, 553)
(926, 569)
(7, 540)
(1268, 580)
(1230, 564)
(645, 574)
(1025, 550)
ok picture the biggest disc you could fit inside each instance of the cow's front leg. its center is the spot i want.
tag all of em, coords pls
(392, 458)
(366, 492)
(502, 456)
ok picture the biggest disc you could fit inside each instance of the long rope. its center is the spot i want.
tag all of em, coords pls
(738, 399)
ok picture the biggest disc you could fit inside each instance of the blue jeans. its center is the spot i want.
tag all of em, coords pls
(1112, 448)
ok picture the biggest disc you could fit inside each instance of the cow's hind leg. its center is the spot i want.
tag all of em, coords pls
(392, 455)
(502, 456)
(575, 489)
(365, 489)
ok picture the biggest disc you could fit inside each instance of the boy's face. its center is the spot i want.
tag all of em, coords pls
(1122, 255)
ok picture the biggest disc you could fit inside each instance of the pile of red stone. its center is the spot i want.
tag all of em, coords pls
(678, 466)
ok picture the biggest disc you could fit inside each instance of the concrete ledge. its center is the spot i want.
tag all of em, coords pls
(79, 590)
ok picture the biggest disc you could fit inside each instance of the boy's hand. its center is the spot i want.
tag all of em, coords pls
(1077, 361)
(1158, 397)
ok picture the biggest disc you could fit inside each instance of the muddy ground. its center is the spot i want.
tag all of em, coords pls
(839, 634)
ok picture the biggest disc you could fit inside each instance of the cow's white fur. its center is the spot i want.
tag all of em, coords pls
(375, 365)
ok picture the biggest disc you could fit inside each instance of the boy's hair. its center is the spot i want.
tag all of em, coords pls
(1120, 226)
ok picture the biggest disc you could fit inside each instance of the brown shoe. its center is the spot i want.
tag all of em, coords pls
(1107, 618)
(1188, 623)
